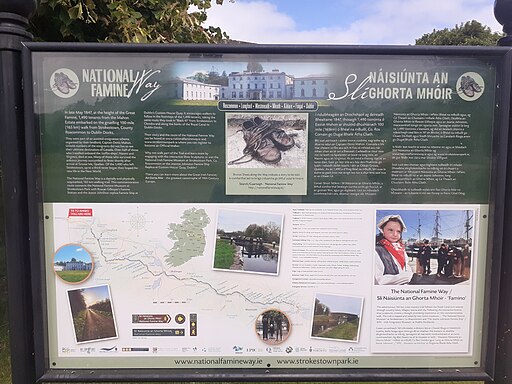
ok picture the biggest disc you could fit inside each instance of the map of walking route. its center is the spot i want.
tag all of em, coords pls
(164, 265)
(189, 236)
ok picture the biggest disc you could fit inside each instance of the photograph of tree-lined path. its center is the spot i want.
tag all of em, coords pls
(337, 317)
(93, 317)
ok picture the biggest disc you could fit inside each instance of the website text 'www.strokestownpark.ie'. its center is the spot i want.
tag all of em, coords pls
(258, 361)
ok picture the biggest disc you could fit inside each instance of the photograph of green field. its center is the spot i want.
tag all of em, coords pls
(337, 317)
(73, 276)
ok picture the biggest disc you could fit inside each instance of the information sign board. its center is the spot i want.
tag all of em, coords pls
(268, 207)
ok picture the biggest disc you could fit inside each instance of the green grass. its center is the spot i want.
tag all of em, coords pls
(73, 276)
(345, 331)
(224, 254)
(5, 357)
(5, 361)
(300, 382)
(79, 323)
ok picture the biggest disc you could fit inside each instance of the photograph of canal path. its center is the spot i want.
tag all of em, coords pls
(248, 241)
(93, 317)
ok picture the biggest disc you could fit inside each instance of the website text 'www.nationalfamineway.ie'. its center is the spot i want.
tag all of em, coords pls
(254, 362)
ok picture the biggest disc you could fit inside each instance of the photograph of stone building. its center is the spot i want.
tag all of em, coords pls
(274, 85)
(252, 84)
(311, 87)
(188, 89)
(73, 263)
(248, 85)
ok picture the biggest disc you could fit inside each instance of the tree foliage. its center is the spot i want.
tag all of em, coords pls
(269, 232)
(103, 306)
(76, 301)
(211, 77)
(468, 33)
(254, 66)
(321, 309)
(133, 21)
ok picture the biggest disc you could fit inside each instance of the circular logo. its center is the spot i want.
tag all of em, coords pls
(470, 86)
(64, 83)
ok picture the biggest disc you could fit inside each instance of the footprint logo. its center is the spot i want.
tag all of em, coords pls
(470, 86)
(64, 83)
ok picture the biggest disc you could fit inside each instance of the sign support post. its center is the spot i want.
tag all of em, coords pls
(503, 370)
(13, 31)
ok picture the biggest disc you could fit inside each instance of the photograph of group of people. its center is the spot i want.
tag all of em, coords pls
(273, 327)
(423, 246)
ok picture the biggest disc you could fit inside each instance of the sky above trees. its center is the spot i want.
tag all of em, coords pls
(344, 21)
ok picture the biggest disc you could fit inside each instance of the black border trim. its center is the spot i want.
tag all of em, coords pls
(501, 177)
